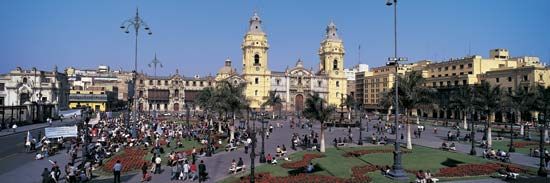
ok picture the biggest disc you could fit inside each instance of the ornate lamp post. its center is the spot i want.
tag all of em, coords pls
(359, 113)
(263, 121)
(512, 121)
(397, 171)
(154, 64)
(253, 152)
(136, 23)
(473, 135)
(187, 115)
(542, 125)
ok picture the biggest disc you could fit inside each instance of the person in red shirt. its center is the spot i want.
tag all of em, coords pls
(193, 171)
(269, 158)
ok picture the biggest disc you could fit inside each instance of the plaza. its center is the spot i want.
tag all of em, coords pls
(269, 92)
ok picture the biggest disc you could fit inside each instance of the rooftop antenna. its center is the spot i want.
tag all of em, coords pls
(359, 54)
(469, 49)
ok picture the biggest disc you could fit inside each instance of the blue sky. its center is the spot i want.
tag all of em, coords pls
(197, 36)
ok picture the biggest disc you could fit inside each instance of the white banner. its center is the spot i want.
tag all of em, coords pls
(64, 131)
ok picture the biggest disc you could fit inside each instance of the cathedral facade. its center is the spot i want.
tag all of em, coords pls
(295, 83)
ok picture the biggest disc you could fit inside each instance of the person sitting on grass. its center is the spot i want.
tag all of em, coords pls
(269, 158)
(444, 145)
(428, 176)
(309, 168)
(240, 163)
(452, 147)
(420, 177)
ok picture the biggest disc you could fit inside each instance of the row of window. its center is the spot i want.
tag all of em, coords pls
(278, 82)
(159, 82)
(453, 74)
(176, 93)
(454, 67)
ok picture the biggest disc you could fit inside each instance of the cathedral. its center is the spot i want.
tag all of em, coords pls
(293, 84)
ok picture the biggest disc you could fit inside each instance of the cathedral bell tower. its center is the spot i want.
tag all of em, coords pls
(331, 55)
(255, 70)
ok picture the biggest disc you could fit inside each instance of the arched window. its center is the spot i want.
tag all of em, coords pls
(256, 81)
(158, 107)
(256, 92)
(335, 64)
(176, 93)
(337, 83)
(256, 59)
(25, 80)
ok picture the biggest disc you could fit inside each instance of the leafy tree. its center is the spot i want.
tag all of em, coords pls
(317, 109)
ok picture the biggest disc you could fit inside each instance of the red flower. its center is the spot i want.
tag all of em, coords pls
(131, 159)
(302, 163)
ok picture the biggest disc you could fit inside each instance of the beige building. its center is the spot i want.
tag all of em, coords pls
(169, 93)
(498, 69)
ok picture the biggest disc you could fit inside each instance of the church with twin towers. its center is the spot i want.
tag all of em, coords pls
(294, 83)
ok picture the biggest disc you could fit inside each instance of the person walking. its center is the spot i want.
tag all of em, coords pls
(202, 172)
(144, 171)
(193, 171)
(186, 168)
(158, 161)
(116, 171)
(46, 176)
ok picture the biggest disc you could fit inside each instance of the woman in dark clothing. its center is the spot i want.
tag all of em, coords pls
(45, 176)
(144, 170)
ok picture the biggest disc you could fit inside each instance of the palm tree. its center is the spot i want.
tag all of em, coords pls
(386, 102)
(231, 96)
(316, 109)
(542, 105)
(350, 103)
(205, 100)
(463, 99)
(413, 95)
(520, 101)
(273, 100)
(488, 98)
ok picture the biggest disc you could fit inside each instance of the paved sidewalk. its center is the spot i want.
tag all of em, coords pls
(25, 128)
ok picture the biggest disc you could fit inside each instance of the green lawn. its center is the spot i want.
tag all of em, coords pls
(335, 164)
(505, 145)
(187, 145)
(424, 158)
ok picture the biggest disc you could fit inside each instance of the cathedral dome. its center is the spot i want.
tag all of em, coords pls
(226, 69)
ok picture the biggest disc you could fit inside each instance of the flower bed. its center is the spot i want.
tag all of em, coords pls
(357, 153)
(310, 178)
(302, 163)
(476, 170)
(358, 173)
(131, 159)
(522, 144)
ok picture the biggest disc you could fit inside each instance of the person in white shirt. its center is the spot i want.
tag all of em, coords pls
(186, 168)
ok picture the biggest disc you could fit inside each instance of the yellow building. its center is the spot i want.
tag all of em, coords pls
(96, 98)
(498, 69)
(331, 54)
(293, 84)
(255, 69)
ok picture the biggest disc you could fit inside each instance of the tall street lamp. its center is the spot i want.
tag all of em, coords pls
(253, 152)
(262, 153)
(136, 23)
(512, 120)
(154, 64)
(397, 171)
(472, 134)
(359, 113)
(542, 125)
